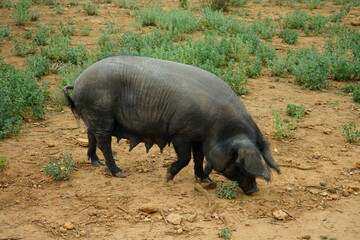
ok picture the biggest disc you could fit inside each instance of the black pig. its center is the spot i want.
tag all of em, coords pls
(157, 102)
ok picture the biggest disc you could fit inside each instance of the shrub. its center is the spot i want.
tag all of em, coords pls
(129, 4)
(295, 111)
(149, 16)
(39, 65)
(289, 36)
(60, 170)
(264, 29)
(67, 30)
(317, 24)
(310, 68)
(355, 90)
(340, 68)
(60, 50)
(287, 3)
(224, 24)
(91, 8)
(184, 3)
(21, 14)
(179, 21)
(228, 191)
(23, 48)
(41, 37)
(21, 98)
(313, 4)
(279, 67)
(5, 32)
(296, 19)
(350, 132)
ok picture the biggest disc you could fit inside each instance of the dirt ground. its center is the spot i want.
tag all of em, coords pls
(315, 197)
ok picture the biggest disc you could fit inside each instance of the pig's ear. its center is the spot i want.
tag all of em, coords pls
(250, 159)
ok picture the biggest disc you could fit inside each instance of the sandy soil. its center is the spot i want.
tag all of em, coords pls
(94, 205)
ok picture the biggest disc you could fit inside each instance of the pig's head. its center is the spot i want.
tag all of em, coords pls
(243, 161)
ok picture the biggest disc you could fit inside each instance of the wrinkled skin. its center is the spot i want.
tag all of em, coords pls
(160, 102)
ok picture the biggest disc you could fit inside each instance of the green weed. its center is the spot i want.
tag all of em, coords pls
(295, 111)
(313, 4)
(222, 5)
(91, 8)
(21, 14)
(279, 67)
(265, 29)
(3, 163)
(60, 170)
(296, 19)
(227, 191)
(225, 234)
(5, 32)
(85, 30)
(128, 4)
(289, 36)
(23, 48)
(284, 128)
(22, 97)
(350, 132)
(39, 65)
(149, 16)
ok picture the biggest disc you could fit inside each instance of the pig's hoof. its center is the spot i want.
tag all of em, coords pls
(169, 176)
(206, 183)
(97, 163)
(119, 174)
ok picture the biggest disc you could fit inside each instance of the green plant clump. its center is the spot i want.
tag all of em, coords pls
(225, 234)
(21, 98)
(5, 32)
(39, 65)
(350, 132)
(289, 36)
(284, 128)
(91, 8)
(295, 111)
(227, 191)
(3, 163)
(355, 90)
(60, 170)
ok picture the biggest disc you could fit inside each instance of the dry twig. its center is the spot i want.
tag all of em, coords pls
(211, 201)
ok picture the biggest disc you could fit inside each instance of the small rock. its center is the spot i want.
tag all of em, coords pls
(333, 197)
(247, 224)
(276, 150)
(191, 218)
(50, 144)
(82, 142)
(322, 183)
(316, 155)
(355, 188)
(324, 237)
(324, 194)
(280, 214)
(288, 189)
(69, 226)
(327, 130)
(306, 237)
(174, 218)
(148, 208)
(314, 191)
(345, 193)
(62, 229)
(179, 231)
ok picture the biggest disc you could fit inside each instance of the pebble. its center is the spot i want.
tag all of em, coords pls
(280, 214)
(322, 183)
(82, 142)
(191, 218)
(314, 191)
(345, 193)
(288, 189)
(327, 130)
(174, 218)
(62, 230)
(306, 237)
(69, 226)
(51, 144)
(316, 155)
